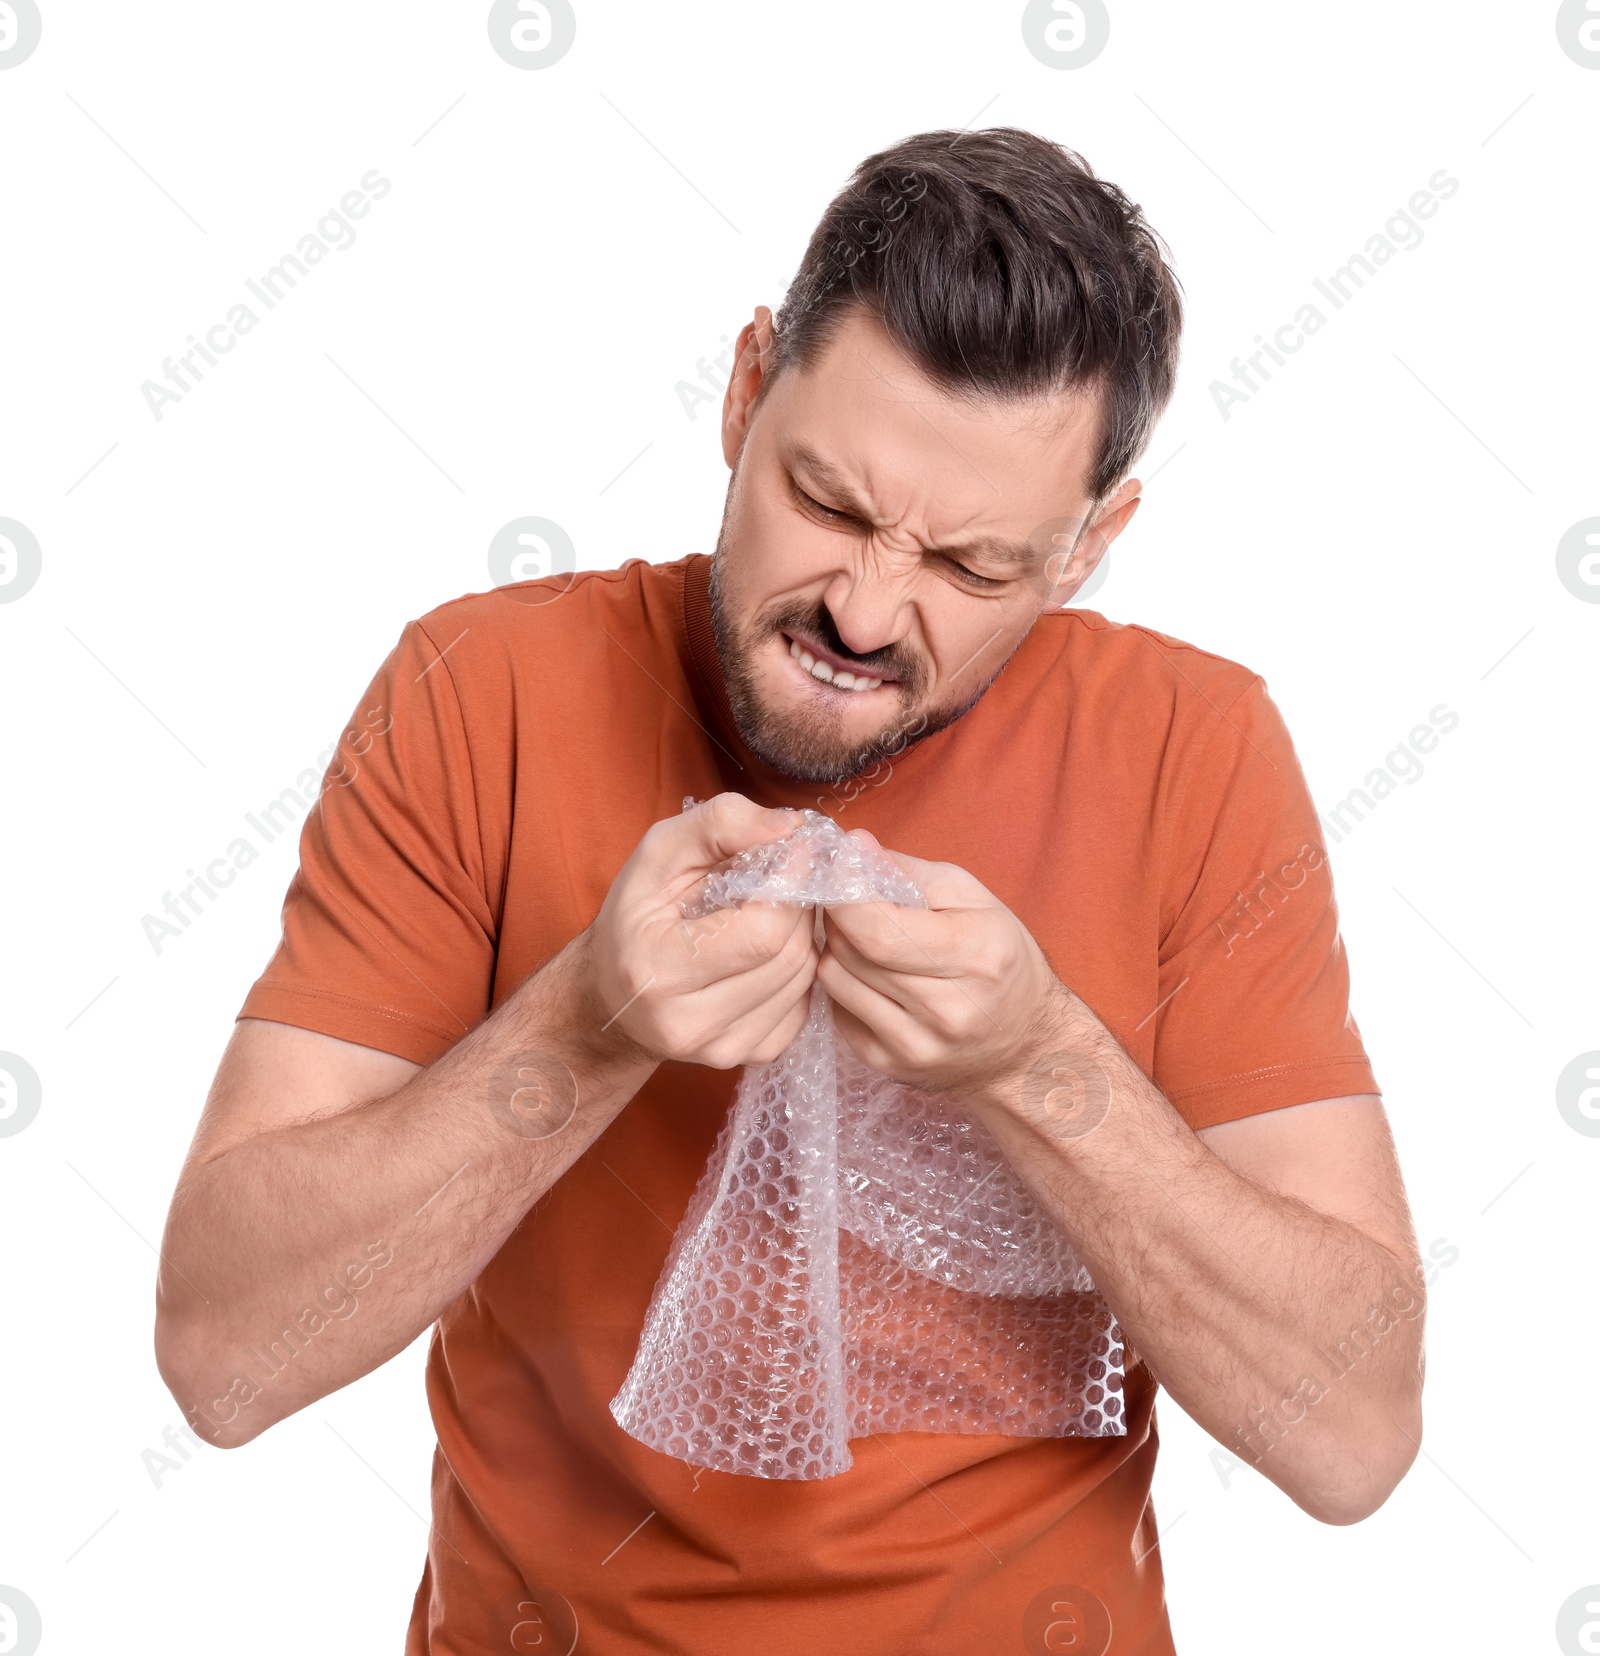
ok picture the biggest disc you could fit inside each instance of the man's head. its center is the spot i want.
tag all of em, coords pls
(929, 444)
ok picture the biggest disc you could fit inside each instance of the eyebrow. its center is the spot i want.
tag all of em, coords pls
(831, 478)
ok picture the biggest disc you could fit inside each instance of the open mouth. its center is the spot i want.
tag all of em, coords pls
(827, 669)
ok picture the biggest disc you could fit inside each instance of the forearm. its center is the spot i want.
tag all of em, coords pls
(301, 1258)
(1293, 1337)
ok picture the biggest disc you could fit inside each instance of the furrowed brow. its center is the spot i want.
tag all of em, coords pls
(829, 476)
(994, 547)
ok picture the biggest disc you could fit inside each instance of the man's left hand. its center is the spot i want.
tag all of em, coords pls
(956, 997)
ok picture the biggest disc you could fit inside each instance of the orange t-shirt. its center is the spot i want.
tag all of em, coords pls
(1135, 801)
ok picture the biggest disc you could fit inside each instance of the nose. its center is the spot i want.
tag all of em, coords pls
(869, 608)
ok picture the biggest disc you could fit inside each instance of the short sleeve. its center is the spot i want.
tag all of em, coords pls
(1254, 984)
(388, 930)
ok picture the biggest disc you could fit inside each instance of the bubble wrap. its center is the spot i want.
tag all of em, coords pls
(858, 1255)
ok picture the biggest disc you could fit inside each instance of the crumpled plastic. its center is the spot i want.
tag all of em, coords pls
(858, 1257)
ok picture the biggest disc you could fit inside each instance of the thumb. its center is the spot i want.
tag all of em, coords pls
(721, 827)
(908, 865)
(942, 884)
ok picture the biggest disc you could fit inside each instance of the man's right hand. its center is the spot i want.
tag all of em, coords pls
(312, 1151)
(730, 988)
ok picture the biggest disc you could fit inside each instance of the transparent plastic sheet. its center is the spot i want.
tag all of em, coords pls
(858, 1255)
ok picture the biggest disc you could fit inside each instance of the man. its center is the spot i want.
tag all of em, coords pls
(478, 1080)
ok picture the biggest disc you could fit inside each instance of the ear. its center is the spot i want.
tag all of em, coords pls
(752, 363)
(1093, 544)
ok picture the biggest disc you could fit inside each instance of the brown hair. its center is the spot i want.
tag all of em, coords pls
(1004, 268)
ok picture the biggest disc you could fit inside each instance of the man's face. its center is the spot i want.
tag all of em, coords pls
(886, 546)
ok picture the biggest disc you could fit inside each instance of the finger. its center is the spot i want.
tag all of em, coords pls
(729, 942)
(686, 999)
(680, 849)
(920, 942)
(943, 885)
(860, 1040)
(922, 871)
(785, 1033)
(766, 1031)
(722, 1002)
(892, 985)
(875, 1026)
(728, 823)
(941, 1005)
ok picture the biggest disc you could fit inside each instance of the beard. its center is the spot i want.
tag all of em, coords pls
(810, 743)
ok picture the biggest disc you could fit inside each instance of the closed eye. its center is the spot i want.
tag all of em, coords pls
(831, 515)
(971, 578)
(828, 514)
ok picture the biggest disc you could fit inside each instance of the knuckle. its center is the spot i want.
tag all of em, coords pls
(778, 934)
(922, 1053)
(720, 1055)
(728, 809)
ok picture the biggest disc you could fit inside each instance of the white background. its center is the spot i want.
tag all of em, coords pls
(1373, 532)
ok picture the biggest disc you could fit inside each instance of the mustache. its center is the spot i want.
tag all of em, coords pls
(815, 622)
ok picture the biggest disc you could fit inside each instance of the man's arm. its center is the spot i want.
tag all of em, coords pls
(331, 1176)
(1265, 1270)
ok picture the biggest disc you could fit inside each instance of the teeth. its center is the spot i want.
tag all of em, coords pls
(821, 670)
